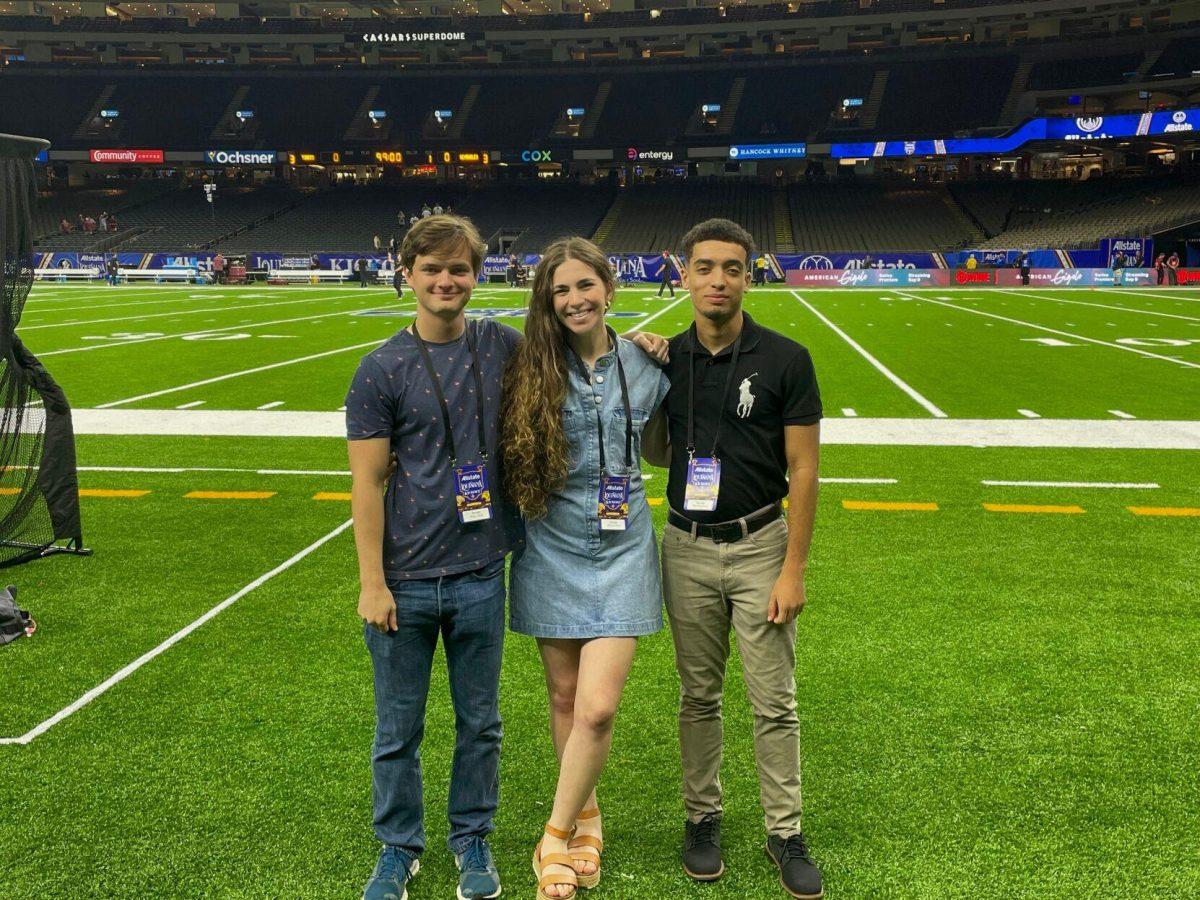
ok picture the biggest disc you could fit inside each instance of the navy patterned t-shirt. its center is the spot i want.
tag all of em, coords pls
(392, 397)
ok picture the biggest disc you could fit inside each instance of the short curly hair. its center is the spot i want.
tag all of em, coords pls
(718, 230)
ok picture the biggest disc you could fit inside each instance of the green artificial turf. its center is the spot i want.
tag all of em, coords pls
(993, 705)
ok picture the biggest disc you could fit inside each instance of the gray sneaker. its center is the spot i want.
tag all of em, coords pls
(477, 875)
(394, 870)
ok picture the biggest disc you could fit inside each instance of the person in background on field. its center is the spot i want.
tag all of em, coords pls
(1023, 266)
(1160, 267)
(1172, 265)
(112, 271)
(744, 417)
(665, 274)
(510, 270)
(218, 268)
(431, 552)
(360, 268)
(760, 271)
(586, 585)
(972, 263)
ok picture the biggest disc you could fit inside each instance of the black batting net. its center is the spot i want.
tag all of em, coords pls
(39, 492)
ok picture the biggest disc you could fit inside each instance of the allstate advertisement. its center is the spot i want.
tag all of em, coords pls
(1078, 128)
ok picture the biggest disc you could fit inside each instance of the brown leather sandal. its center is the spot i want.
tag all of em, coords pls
(554, 859)
(587, 847)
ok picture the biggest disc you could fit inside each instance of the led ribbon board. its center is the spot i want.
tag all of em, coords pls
(1080, 128)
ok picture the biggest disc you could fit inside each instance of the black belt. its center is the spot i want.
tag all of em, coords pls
(727, 532)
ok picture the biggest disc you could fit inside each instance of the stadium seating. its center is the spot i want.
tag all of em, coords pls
(1180, 59)
(1105, 208)
(875, 217)
(653, 217)
(954, 94)
(1082, 72)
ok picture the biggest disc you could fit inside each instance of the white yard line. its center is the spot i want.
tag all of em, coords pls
(178, 312)
(1121, 415)
(1098, 433)
(1070, 334)
(640, 326)
(191, 405)
(887, 373)
(1136, 292)
(229, 375)
(114, 680)
(243, 326)
(271, 405)
(858, 481)
(158, 301)
(1129, 485)
(1140, 312)
(1029, 413)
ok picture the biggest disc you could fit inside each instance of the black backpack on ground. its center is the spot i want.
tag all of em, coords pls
(14, 621)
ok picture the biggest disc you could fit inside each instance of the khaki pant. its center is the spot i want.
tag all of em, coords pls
(710, 587)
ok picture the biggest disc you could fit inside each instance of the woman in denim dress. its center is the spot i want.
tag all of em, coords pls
(587, 584)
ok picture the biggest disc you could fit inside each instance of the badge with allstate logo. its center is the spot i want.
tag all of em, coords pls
(472, 496)
(613, 508)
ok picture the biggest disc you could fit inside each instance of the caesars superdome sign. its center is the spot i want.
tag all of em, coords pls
(241, 157)
(415, 37)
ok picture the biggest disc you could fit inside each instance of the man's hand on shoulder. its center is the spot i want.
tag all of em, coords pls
(653, 345)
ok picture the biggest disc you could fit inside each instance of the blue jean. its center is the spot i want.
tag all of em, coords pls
(467, 610)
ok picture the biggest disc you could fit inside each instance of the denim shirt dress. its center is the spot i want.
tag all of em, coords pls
(572, 580)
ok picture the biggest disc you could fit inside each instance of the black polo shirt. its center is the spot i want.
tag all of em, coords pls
(774, 385)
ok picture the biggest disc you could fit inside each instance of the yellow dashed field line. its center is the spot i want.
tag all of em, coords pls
(9, 492)
(101, 492)
(1164, 510)
(889, 505)
(229, 495)
(1031, 508)
(330, 495)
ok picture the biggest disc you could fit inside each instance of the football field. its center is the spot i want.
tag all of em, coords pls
(997, 667)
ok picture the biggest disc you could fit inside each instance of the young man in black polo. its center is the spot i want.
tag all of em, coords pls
(743, 419)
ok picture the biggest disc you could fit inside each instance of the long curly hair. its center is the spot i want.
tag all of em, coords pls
(532, 443)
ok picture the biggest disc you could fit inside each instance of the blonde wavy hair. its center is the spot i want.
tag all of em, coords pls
(532, 443)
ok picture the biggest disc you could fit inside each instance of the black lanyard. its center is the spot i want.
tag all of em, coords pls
(691, 425)
(441, 398)
(612, 336)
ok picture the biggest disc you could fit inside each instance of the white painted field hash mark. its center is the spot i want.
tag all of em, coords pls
(887, 373)
(1029, 413)
(170, 642)
(849, 413)
(1121, 415)
(191, 405)
(271, 405)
